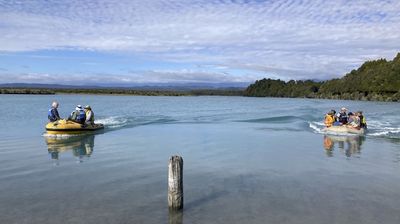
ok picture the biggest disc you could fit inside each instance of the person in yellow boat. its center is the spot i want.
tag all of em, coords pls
(329, 119)
(89, 115)
(78, 115)
(52, 114)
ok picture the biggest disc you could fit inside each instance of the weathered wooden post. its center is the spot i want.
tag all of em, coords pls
(175, 183)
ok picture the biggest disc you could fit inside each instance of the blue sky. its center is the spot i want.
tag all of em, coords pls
(191, 41)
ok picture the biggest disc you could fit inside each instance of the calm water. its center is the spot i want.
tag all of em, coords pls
(246, 160)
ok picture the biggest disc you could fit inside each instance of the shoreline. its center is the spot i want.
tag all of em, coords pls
(124, 92)
(197, 92)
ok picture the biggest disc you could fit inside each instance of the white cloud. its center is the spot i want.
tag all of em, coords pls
(287, 39)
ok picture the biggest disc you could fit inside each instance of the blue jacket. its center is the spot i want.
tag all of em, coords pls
(81, 118)
(53, 115)
(78, 116)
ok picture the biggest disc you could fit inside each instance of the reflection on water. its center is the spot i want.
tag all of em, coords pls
(347, 145)
(175, 217)
(81, 146)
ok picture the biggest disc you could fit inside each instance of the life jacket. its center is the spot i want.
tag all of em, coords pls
(343, 118)
(329, 119)
(81, 116)
(363, 121)
(51, 115)
(90, 115)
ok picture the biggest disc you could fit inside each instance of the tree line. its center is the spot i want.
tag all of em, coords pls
(374, 80)
(124, 91)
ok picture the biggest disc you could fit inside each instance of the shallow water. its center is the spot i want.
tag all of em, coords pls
(246, 160)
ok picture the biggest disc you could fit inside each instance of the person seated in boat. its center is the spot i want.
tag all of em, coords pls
(342, 116)
(350, 118)
(78, 115)
(363, 121)
(329, 119)
(336, 120)
(52, 114)
(89, 115)
(354, 121)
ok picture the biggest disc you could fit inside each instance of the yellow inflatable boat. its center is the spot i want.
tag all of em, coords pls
(71, 127)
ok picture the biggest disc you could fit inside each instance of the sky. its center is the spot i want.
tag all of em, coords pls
(134, 42)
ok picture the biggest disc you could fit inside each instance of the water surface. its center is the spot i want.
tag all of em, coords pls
(246, 160)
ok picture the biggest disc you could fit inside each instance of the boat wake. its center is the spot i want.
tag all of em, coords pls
(317, 127)
(113, 122)
(387, 132)
(276, 120)
(383, 129)
(118, 122)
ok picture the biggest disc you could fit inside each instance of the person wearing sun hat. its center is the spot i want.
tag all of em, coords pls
(89, 115)
(78, 115)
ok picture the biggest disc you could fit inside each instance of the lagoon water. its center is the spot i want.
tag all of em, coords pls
(246, 160)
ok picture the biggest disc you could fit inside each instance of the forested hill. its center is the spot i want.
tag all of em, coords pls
(374, 80)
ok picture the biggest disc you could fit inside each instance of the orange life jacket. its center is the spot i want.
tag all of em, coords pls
(329, 120)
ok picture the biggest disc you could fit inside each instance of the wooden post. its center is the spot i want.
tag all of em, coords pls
(175, 183)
